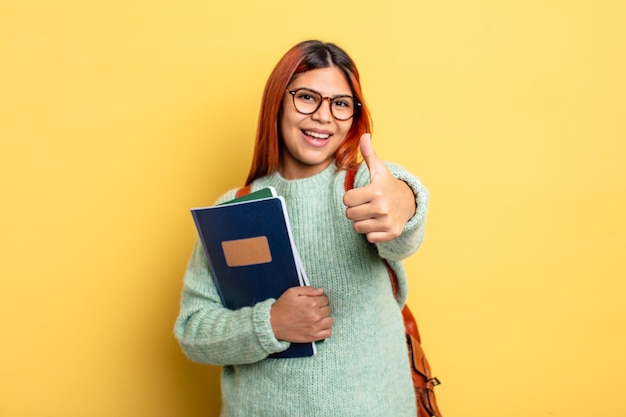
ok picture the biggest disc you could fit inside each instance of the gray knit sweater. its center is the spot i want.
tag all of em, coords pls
(362, 369)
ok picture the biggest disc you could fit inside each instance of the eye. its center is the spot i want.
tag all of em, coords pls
(307, 96)
(343, 102)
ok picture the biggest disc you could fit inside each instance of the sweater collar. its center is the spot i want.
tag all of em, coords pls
(309, 185)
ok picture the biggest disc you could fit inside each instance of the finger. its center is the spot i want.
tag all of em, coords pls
(374, 164)
(308, 291)
(367, 226)
(359, 212)
(325, 324)
(318, 302)
(325, 312)
(356, 197)
(378, 237)
(323, 334)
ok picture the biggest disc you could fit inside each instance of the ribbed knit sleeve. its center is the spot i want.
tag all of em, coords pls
(210, 333)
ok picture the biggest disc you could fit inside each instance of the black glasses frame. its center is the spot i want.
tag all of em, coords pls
(357, 104)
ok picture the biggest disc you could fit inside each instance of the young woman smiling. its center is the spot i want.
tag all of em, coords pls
(312, 126)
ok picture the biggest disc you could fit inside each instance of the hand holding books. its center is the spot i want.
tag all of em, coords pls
(302, 314)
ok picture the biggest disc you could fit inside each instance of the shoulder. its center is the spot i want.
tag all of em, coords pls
(232, 193)
(228, 195)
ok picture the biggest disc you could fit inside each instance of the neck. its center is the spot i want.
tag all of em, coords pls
(297, 171)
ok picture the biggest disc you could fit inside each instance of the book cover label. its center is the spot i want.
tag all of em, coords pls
(250, 251)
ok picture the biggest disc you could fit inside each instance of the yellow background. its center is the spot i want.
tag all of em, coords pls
(118, 116)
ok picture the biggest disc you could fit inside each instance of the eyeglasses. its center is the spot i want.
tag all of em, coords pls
(308, 102)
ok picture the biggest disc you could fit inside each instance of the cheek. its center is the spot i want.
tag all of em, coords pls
(345, 128)
(285, 125)
(289, 120)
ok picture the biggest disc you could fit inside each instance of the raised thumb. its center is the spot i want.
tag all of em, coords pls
(369, 156)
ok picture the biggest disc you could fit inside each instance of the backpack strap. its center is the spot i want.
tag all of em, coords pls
(350, 177)
(243, 191)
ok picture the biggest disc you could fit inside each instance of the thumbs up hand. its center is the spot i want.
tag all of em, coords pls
(381, 209)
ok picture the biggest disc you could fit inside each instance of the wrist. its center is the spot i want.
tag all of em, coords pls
(408, 197)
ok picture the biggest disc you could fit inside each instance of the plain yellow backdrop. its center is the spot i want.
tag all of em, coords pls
(118, 116)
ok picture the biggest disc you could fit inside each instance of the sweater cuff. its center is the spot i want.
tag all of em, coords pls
(420, 192)
(421, 199)
(263, 328)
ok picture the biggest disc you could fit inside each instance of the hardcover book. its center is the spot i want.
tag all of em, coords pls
(251, 253)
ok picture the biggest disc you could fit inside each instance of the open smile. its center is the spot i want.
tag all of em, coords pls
(316, 135)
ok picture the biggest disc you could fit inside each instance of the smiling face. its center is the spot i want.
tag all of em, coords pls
(309, 141)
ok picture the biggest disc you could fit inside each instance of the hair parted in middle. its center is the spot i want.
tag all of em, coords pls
(305, 56)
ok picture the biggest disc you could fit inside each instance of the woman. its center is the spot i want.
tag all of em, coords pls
(312, 124)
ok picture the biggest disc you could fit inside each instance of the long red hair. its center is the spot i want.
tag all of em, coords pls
(305, 56)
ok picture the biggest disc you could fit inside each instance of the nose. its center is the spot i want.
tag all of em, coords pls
(323, 114)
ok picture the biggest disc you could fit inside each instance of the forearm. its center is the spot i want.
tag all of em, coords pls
(210, 333)
(230, 337)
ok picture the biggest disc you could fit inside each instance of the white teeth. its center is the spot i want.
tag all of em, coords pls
(316, 135)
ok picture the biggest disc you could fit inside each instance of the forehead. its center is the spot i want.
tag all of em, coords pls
(329, 81)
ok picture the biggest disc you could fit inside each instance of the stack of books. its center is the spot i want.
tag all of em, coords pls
(251, 252)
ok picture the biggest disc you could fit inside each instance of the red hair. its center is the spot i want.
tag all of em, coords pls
(305, 56)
